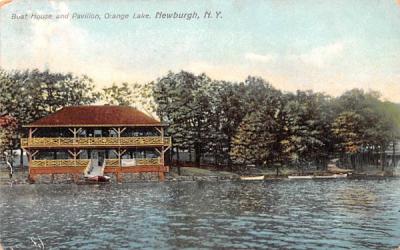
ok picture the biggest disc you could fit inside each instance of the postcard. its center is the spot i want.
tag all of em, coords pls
(184, 124)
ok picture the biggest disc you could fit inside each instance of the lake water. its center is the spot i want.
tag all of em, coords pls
(295, 214)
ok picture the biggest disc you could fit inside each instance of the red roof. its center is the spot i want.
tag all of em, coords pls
(87, 116)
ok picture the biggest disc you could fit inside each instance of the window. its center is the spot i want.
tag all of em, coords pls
(97, 133)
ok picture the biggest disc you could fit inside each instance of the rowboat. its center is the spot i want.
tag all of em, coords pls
(334, 176)
(325, 177)
(252, 178)
(98, 178)
(300, 176)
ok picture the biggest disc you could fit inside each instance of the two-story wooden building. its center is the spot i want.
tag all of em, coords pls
(74, 139)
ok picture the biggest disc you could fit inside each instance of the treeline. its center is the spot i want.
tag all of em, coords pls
(32, 94)
(252, 122)
(234, 124)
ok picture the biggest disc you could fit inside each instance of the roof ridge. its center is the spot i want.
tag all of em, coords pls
(96, 115)
(99, 105)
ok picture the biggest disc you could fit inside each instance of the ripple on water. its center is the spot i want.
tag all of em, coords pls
(340, 214)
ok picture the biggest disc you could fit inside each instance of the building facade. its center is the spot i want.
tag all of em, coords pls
(118, 139)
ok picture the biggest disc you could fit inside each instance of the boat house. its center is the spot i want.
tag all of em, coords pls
(114, 140)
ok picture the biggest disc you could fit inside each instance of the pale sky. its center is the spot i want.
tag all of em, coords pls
(328, 46)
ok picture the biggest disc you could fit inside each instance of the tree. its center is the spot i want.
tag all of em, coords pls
(32, 94)
(143, 97)
(117, 95)
(377, 125)
(138, 95)
(303, 142)
(348, 128)
(228, 111)
(259, 135)
(52, 91)
(183, 101)
(220, 119)
(172, 94)
(255, 140)
(8, 128)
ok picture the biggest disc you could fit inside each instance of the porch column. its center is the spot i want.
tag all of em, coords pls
(162, 147)
(161, 131)
(119, 131)
(119, 157)
(30, 136)
(120, 152)
(31, 131)
(75, 131)
(75, 154)
(33, 154)
(28, 153)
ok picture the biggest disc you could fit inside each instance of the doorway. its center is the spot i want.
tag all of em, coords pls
(98, 157)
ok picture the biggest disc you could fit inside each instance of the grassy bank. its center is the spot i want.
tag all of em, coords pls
(285, 171)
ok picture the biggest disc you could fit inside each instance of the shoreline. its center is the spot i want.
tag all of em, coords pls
(195, 175)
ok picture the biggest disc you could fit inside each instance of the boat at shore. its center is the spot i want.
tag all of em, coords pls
(300, 176)
(252, 178)
(98, 178)
(334, 176)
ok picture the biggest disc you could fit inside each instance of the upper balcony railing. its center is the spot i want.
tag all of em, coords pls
(48, 142)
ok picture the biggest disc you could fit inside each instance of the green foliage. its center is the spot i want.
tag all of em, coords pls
(391, 113)
(143, 97)
(255, 142)
(364, 122)
(249, 122)
(304, 127)
(137, 95)
(32, 94)
(117, 95)
(348, 128)
(253, 123)
(228, 107)
(183, 101)
(7, 134)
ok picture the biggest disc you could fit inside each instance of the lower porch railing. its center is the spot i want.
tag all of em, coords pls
(59, 163)
(85, 162)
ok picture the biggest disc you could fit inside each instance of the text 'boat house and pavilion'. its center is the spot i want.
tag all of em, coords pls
(121, 139)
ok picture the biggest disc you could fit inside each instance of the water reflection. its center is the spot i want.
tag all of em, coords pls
(340, 214)
(357, 198)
